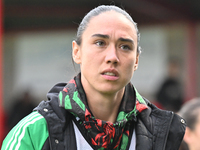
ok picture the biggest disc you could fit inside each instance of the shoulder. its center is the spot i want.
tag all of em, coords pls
(165, 125)
(160, 116)
(31, 132)
(176, 132)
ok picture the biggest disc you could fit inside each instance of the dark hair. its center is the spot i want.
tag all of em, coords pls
(98, 10)
(190, 112)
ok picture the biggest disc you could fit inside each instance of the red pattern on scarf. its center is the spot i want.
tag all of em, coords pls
(140, 107)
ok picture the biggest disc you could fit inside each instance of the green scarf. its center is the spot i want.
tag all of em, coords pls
(101, 134)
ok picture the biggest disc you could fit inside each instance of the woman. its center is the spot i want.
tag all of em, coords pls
(100, 108)
(191, 112)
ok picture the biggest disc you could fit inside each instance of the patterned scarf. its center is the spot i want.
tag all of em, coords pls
(102, 135)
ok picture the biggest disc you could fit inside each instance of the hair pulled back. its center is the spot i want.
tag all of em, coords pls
(98, 10)
(190, 112)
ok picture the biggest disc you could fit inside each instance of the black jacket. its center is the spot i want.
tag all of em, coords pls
(155, 129)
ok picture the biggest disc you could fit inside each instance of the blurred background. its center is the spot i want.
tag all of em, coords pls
(36, 37)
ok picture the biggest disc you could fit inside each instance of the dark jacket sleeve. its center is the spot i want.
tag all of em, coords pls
(158, 129)
(176, 133)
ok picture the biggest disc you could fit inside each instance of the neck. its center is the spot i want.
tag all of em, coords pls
(192, 148)
(105, 107)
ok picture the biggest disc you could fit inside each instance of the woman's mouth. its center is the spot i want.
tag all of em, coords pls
(109, 74)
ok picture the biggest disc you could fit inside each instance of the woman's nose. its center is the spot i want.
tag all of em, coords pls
(111, 55)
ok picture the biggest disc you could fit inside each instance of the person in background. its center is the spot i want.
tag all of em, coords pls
(99, 108)
(170, 94)
(23, 106)
(190, 111)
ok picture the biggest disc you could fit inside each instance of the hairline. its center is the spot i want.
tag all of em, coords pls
(190, 112)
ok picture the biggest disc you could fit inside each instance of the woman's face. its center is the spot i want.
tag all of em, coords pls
(108, 53)
(196, 135)
(192, 137)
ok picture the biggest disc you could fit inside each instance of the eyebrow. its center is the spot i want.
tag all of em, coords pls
(126, 40)
(101, 35)
(120, 39)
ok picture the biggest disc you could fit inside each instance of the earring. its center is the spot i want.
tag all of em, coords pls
(135, 67)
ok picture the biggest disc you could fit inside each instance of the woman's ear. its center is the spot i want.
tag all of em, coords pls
(76, 54)
(136, 62)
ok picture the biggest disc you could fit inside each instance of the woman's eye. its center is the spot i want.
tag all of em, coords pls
(125, 47)
(100, 43)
